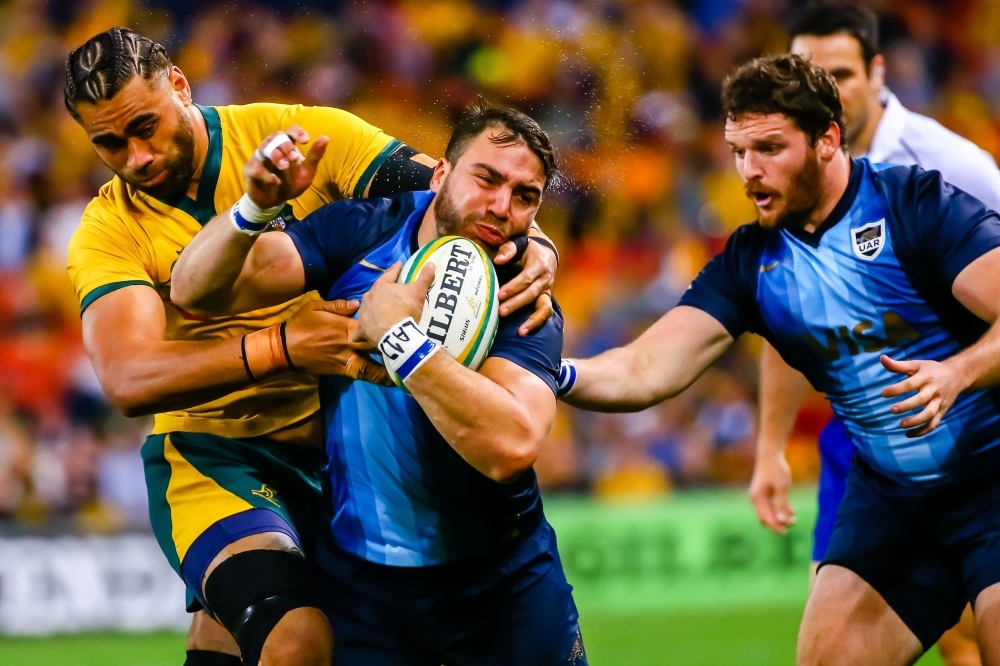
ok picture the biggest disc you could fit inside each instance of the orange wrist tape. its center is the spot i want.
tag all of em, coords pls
(265, 353)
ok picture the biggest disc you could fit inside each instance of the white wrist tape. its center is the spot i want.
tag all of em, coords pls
(404, 348)
(269, 149)
(251, 219)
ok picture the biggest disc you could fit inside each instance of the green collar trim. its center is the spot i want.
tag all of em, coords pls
(203, 209)
(369, 173)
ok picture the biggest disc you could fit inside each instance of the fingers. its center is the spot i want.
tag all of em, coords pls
(543, 310)
(505, 253)
(919, 400)
(339, 306)
(317, 151)
(925, 416)
(765, 512)
(784, 512)
(518, 283)
(902, 367)
(914, 383)
(426, 277)
(297, 134)
(526, 297)
(367, 370)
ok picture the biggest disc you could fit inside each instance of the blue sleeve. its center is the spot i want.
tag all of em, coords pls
(946, 227)
(540, 352)
(726, 287)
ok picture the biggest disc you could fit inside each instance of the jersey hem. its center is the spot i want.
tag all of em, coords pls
(256, 426)
(106, 289)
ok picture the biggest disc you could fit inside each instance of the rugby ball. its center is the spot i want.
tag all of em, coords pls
(461, 312)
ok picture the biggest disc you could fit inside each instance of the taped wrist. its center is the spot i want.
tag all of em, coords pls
(250, 592)
(265, 353)
(251, 219)
(405, 348)
(567, 377)
(209, 658)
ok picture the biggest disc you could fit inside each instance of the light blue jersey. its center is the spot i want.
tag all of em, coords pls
(402, 495)
(874, 278)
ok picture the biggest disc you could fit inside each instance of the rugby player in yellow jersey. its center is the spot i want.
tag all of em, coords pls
(232, 467)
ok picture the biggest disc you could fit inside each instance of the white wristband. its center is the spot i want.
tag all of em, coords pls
(251, 219)
(404, 348)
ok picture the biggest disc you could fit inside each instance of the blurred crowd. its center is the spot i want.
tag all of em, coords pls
(628, 90)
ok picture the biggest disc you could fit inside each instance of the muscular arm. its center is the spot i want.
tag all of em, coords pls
(783, 389)
(222, 271)
(500, 422)
(144, 374)
(659, 364)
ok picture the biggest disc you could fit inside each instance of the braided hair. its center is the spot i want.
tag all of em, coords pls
(101, 67)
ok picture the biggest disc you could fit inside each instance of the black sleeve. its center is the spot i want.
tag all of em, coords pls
(540, 352)
(726, 287)
(400, 173)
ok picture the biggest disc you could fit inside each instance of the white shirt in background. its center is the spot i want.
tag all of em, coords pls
(905, 137)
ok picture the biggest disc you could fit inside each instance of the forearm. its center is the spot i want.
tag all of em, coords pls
(619, 380)
(782, 392)
(979, 364)
(155, 377)
(205, 275)
(487, 426)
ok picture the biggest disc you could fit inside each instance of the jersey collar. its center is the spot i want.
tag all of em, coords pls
(203, 208)
(838, 212)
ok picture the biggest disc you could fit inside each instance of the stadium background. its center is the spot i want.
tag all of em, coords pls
(669, 563)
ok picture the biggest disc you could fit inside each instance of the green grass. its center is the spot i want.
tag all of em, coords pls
(691, 638)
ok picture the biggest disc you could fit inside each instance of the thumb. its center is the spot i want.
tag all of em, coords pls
(506, 252)
(902, 367)
(392, 273)
(426, 278)
(317, 151)
(339, 306)
(785, 512)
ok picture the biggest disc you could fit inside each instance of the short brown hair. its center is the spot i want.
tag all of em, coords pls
(789, 85)
(516, 126)
(102, 66)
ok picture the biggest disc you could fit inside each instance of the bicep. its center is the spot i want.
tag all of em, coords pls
(273, 273)
(528, 390)
(978, 284)
(116, 323)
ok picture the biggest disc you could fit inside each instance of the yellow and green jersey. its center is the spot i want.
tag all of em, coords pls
(127, 237)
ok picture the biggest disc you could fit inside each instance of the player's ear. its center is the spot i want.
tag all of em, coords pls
(441, 170)
(828, 143)
(180, 84)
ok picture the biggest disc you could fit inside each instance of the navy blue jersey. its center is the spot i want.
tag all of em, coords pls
(874, 278)
(402, 495)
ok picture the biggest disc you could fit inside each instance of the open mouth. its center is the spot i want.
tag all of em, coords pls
(762, 199)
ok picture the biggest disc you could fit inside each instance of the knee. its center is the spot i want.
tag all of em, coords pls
(301, 638)
(268, 600)
(833, 646)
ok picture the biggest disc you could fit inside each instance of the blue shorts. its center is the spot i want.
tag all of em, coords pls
(513, 607)
(835, 452)
(927, 551)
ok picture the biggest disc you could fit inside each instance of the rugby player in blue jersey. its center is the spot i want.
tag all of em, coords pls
(437, 550)
(880, 283)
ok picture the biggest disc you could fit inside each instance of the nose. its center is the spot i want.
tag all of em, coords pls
(499, 205)
(751, 166)
(139, 155)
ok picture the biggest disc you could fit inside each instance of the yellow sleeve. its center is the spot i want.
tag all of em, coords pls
(355, 152)
(104, 257)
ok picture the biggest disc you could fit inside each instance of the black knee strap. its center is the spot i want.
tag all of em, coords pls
(250, 592)
(209, 658)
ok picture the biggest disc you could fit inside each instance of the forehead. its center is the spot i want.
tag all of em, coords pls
(136, 98)
(515, 160)
(840, 49)
(754, 126)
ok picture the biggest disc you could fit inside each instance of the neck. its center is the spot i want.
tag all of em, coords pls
(835, 180)
(428, 226)
(862, 143)
(200, 147)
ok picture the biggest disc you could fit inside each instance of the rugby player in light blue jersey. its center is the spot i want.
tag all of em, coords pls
(437, 550)
(882, 285)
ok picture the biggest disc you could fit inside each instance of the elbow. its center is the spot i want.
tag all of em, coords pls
(131, 403)
(192, 303)
(515, 457)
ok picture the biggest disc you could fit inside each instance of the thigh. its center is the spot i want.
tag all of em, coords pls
(847, 622)
(207, 493)
(528, 619)
(878, 541)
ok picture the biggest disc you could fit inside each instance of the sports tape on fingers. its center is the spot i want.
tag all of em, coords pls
(273, 144)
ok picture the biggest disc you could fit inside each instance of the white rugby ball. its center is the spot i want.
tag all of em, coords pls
(461, 312)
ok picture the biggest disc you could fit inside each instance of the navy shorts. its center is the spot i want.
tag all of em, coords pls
(513, 607)
(927, 551)
(835, 452)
